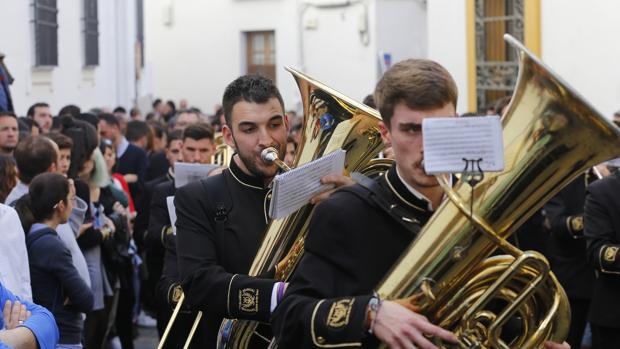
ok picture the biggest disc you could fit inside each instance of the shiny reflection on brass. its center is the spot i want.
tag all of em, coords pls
(223, 152)
(551, 136)
(331, 121)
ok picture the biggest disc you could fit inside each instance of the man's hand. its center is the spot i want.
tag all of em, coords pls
(338, 180)
(14, 314)
(399, 328)
(84, 227)
(553, 345)
(131, 178)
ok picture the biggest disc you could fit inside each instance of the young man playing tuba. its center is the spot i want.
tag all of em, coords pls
(353, 241)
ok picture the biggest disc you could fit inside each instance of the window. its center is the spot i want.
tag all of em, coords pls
(261, 53)
(496, 62)
(91, 33)
(46, 32)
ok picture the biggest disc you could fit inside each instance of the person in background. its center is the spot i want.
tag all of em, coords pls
(9, 132)
(135, 114)
(25, 325)
(56, 284)
(8, 175)
(6, 102)
(27, 127)
(291, 148)
(42, 114)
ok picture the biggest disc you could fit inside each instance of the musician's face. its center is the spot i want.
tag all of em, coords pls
(253, 128)
(405, 137)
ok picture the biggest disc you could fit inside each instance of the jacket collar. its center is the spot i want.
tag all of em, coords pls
(403, 194)
(243, 178)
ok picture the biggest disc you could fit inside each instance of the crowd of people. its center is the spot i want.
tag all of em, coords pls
(87, 241)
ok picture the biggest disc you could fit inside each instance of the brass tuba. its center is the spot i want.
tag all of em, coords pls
(331, 121)
(223, 152)
(551, 135)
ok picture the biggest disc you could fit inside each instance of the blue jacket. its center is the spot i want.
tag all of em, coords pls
(56, 284)
(41, 322)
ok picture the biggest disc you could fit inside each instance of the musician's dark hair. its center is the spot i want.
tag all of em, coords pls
(32, 108)
(418, 83)
(198, 131)
(120, 109)
(248, 88)
(44, 192)
(34, 155)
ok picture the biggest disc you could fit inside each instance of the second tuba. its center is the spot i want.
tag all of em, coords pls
(551, 135)
(331, 121)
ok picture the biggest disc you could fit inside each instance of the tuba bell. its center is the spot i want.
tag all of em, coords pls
(331, 121)
(551, 135)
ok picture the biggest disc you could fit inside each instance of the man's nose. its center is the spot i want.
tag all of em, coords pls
(265, 138)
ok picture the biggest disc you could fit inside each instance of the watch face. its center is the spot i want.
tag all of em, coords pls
(176, 293)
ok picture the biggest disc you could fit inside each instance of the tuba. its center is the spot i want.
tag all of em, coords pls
(331, 121)
(551, 135)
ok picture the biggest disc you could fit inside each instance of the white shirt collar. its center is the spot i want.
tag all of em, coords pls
(122, 147)
(417, 193)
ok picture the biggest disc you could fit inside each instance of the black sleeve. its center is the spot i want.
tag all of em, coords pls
(207, 285)
(90, 238)
(170, 274)
(74, 287)
(602, 245)
(159, 219)
(320, 308)
(560, 219)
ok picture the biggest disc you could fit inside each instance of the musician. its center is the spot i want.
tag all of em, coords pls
(197, 146)
(358, 233)
(602, 234)
(567, 252)
(221, 220)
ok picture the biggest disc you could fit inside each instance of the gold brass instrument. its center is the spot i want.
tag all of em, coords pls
(223, 152)
(551, 135)
(331, 121)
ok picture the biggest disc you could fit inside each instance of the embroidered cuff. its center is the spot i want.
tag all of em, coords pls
(249, 298)
(574, 224)
(609, 260)
(339, 322)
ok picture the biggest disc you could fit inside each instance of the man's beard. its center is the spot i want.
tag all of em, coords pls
(8, 150)
(249, 159)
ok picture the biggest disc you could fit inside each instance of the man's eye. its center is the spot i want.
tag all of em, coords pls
(247, 130)
(275, 125)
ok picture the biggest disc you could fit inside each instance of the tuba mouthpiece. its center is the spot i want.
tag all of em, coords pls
(269, 155)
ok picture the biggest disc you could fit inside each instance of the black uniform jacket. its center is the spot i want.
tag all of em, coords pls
(350, 247)
(567, 246)
(220, 224)
(602, 231)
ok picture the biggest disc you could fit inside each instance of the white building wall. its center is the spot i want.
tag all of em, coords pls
(447, 42)
(202, 49)
(109, 84)
(195, 48)
(580, 42)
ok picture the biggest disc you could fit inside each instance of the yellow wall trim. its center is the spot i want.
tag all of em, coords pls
(531, 16)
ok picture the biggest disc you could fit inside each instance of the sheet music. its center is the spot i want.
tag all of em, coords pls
(185, 172)
(172, 213)
(295, 188)
(448, 140)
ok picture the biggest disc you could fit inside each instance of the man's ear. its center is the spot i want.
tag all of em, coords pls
(228, 137)
(287, 123)
(386, 137)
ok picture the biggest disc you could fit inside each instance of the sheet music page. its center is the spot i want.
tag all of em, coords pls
(295, 188)
(172, 213)
(449, 140)
(186, 172)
